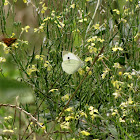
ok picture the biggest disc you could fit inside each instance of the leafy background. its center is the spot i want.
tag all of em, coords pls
(106, 105)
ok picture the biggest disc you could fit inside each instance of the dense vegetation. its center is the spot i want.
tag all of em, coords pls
(39, 100)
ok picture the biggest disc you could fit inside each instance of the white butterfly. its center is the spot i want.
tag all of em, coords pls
(71, 63)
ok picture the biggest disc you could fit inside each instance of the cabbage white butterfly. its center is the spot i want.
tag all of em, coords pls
(71, 63)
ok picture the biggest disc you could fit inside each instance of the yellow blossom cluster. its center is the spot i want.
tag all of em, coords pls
(85, 133)
(93, 112)
(93, 40)
(7, 118)
(53, 90)
(31, 69)
(39, 57)
(116, 48)
(65, 97)
(117, 11)
(26, 28)
(5, 48)
(105, 72)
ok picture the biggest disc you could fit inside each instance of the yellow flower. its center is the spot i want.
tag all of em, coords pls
(105, 72)
(72, 6)
(88, 59)
(32, 69)
(43, 128)
(2, 59)
(53, 13)
(117, 93)
(25, 1)
(65, 97)
(69, 118)
(121, 120)
(92, 49)
(95, 110)
(116, 83)
(116, 48)
(59, 17)
(13, 34)
(10, 117)
(76, 30)
(35, 30)
(96, 26)
(37, 56)
(3, 44)
(123, 104)
(82, 20)
(92, 44)
(40, 29)
(101, 57)
(15, 45)
(87, 68)
(52, 90)
(8, 131)
(81, 71)
(137, 36)
(47, 65)
(85, 133)
(123, 20)
(25, 28)
(46, 19)
(120, 73)
(24, 42)
(65, 125)
(130, 101)
(91, 108)
(44, 8)
(117, 11)
(115, 112)
(5, 48)
(6, 2)
(83, 114)
(59, 24)
(131, 87)
(100, 40)
(90, 72)
(69, 109)
(92, 39)
(117, 65)
(128, 75)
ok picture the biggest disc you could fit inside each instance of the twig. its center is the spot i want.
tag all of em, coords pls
(27, 113)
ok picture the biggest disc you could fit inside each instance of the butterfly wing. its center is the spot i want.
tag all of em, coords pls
(71, 66)
(71, 63)
(9, 41)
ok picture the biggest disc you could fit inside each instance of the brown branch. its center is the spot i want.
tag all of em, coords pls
(27, 113)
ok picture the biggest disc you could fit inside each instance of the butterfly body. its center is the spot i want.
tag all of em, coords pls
(9, 41)
(71, 63)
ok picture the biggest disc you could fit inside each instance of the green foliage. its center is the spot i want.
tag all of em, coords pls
(104, 104)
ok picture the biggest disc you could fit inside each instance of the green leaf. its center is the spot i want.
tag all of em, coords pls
(10, 89)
